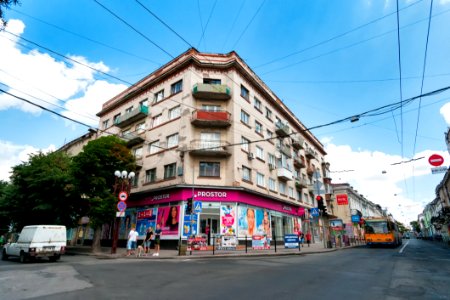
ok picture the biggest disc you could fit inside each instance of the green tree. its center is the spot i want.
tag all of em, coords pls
(94, 169)
(415, 226)
(5, 218)
(5, 4)
(401, 227)
(42, 192)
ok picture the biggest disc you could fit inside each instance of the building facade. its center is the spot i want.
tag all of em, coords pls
(204, 126)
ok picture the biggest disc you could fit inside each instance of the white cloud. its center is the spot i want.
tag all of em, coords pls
(12, 155)
(445, 111)
(372, 174)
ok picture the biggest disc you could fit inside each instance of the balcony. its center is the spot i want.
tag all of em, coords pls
(286, 150)
(139, 162)
(282, 130)
(130, 117)
(301, 183)
(209, 148)
(297, 141)
(310, 153)
(133, 138)
(310, 171)
(207, 91)
(299, 162)
(284, 174)
(206, 118)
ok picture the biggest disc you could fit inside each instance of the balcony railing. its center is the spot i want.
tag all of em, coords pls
(130, 117)
(286, 150)
(282, 129)
(284, 173)
(211, 91)
(310, 153)
(297, 141)
(301, 183)
(211, 148)
(206, 118)
(133, 138)
(299, 162)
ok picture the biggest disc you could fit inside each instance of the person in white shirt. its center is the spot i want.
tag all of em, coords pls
(132, 241)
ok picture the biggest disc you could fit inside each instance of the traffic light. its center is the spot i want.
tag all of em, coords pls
(321, 205)
(189, 206)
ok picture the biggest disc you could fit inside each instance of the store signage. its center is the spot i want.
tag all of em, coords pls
(355, 218)
(160, 197)
(210, 194)
(342, 199)
(287, 208)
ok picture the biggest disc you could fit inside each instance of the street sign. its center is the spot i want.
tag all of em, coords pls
(439, 170)
(436, 160)
(121, 206)
(120, 214)
(197, 207)
(314, 211)
(123, 196)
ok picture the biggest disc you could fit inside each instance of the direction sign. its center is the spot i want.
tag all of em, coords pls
(121, 206)
(123, 196)
(438, 170)
(197, 207)
(436, 160)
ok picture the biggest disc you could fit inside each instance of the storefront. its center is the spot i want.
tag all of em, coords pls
(219, 211)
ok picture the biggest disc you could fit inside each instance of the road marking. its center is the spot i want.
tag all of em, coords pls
(401, 250)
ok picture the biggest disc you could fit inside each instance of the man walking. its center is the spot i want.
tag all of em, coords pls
(132, 241)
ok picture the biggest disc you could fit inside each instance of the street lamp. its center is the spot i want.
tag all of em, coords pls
(122, 185)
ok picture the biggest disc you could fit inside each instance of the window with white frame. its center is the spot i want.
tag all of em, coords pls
(116, 119)
(246, 173)
(150, 175)
(291, 192)
(209, 140)
(169, 170)
(245, 144)
(174, 112)
(272, 184)
(257, 104)
(176, 87)
(245, 93)
(140, 127)
(259, 152)
(210, 107)
(258, 127)
(282, 187)
(137, 152)
(272, 160)
(210, 169)
(105, 124)
(260, 179)
(245, 117)
(172, 140)
(268, 113)
(154, 147)
(144, 102)
(159, 96)
(157, 120)
(269, 135)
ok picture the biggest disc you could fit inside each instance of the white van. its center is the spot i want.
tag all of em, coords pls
(38, 241)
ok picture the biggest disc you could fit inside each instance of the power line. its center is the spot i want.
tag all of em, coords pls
(134, 29)
(249, 23)
(234, 22)
(206, 25)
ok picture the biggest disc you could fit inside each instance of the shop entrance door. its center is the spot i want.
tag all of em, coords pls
(209, 226)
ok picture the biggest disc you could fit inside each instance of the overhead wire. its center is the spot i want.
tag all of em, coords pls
(234, 23)
(248, 24)
(206, 25)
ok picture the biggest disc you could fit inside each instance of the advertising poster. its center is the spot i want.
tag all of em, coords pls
(260, 242)
(197, 243)
(254, 221)
(145, 219)
(226, 242)
(297, 225)
(336, 225)
(291, 241)
(168, 219)
(228, 219)
(190, 227)
(126, 223)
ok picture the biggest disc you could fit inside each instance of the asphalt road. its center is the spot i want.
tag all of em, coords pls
(416, 270)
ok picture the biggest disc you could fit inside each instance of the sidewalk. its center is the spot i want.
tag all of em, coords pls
(174, 254)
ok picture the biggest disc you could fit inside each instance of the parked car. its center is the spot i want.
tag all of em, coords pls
(37, 241)
(406, 235)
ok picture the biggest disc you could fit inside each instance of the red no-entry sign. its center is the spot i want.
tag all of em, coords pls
(436, 160)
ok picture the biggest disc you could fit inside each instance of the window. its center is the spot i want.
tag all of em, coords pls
(144, 102)
(245, 144)
(169, 171)
(277, 121)
(282, 187)
(137, 152)
(246, 174)
(140, 127)
(258, 127)
(154, 147)
(209, 140)
(299, 196)
(176, 87)
(157, 120)
(269, 134)
(245, 117)
(271, 159)
(257, 104)
(135, 180)
(245, 93)
(272, 185)
(116, 118)
(105, 124)
(268, 114)
(291, 192)
(210, 169)
(259, 152)
(129, 110)
(211, 81)
(209, 107)
(172, 140)
(174, 112)
(260, 179)
(159, 96)
(150, 175)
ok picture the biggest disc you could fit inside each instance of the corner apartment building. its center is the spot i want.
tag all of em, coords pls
(206, 126)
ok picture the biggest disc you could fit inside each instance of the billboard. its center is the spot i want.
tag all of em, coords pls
(168, 219)
(145, 219)
(254, 221)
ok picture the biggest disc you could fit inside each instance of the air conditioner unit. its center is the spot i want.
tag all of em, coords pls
(250, 156)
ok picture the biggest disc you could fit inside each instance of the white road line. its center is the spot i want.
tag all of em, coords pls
(401, 250)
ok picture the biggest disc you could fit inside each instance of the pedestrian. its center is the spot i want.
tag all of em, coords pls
(158, 233)
(132, 241)
(308, 238)
(148, 240)
(301, 238)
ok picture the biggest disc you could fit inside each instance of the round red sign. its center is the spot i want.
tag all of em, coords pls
(436, 160)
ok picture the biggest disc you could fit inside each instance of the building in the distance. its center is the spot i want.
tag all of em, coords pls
(206, 126)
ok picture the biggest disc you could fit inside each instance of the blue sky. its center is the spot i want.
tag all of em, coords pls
(327, 60)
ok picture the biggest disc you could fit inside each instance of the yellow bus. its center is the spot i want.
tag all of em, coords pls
(381, 231)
